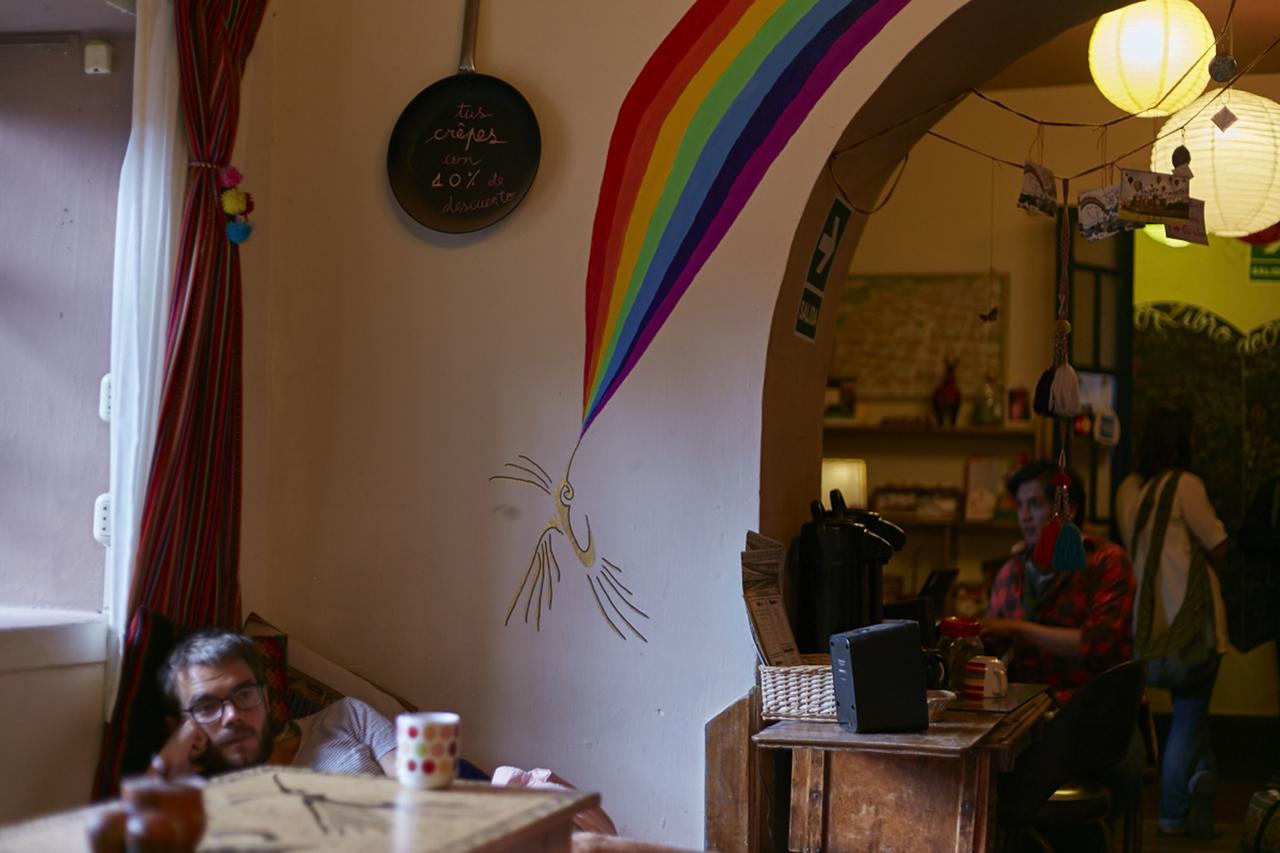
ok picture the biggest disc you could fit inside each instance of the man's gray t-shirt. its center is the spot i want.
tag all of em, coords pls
(346, 737)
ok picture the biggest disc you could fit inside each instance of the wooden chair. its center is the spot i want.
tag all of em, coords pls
(1054, 785)
(1150, 776)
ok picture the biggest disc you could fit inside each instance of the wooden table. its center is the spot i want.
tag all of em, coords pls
(285, 808)
(931, 791)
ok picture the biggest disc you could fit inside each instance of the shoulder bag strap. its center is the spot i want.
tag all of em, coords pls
(1155, 546)
(1188, 624)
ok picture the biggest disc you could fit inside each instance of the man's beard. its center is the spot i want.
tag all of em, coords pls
(217, 761)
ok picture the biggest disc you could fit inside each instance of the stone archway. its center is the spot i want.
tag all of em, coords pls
(967, 49)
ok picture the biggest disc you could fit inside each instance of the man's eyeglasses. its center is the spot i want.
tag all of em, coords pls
(209, 710)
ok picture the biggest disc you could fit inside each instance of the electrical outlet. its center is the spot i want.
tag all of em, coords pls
(102, 519)
(104, 398)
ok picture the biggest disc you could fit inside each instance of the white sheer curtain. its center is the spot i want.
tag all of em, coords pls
(152, 181)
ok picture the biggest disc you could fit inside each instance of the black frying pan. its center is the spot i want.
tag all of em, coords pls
(464, 152)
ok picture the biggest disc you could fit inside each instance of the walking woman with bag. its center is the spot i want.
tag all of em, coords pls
(1180, 625)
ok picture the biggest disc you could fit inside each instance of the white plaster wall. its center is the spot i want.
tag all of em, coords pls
(390, 371)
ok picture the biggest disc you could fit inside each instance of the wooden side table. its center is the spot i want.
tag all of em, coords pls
(930, 791)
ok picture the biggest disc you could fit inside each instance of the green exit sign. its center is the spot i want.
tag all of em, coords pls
(824, 251)
(1264, 262)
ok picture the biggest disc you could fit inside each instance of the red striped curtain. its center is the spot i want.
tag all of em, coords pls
(189, 546)
(188, 551)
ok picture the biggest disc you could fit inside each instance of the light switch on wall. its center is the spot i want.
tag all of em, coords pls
(102, 519)
(97, 57)
(104, 398)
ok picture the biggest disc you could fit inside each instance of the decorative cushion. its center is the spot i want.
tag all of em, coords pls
(316, 682)
(272, 648)
(308, 695)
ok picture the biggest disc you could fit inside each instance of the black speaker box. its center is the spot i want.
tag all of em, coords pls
(879, 676)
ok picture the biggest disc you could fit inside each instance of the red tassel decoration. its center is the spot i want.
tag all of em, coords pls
(1043, 553)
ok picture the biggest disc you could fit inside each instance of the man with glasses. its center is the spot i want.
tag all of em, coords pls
(214, 682)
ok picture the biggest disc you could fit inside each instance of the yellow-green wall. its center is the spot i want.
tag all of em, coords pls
(1215, 277)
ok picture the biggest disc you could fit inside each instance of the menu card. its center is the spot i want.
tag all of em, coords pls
(762, 565)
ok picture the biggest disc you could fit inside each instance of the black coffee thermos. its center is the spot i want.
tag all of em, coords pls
(841, 562)
(873, 557)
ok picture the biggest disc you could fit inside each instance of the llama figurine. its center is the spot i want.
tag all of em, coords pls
(946, 397)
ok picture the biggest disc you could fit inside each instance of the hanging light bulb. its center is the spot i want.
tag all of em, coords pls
(1237, 170)
(1137, 54)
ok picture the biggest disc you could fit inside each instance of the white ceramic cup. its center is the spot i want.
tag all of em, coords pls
(985, 676)
(427, 747)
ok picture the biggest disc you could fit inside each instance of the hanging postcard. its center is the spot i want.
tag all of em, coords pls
(1100, 213)
(1193, 229)
(1039, 190)
(1153, 197)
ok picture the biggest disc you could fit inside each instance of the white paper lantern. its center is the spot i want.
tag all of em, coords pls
(1137, 54)
(1237, 170)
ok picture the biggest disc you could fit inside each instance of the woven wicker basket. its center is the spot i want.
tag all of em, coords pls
(797, 693)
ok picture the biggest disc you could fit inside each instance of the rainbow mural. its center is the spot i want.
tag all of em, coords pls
(708, 115)
(710, 112)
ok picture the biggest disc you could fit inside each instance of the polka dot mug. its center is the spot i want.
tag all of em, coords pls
(427, 749)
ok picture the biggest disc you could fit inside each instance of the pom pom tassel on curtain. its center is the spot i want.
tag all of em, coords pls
(1061, 544)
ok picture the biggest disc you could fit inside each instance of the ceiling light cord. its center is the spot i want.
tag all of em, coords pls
(1041, 124)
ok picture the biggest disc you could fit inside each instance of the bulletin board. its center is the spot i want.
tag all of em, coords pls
(895, 332)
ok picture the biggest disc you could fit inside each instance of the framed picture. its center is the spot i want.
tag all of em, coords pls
(1097, 391)
(984, 478)
(896, 333)
(1106, 429)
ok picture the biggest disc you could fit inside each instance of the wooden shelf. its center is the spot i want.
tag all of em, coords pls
(952, 529)
(850, 427)
(907, 453)
(910, 519)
